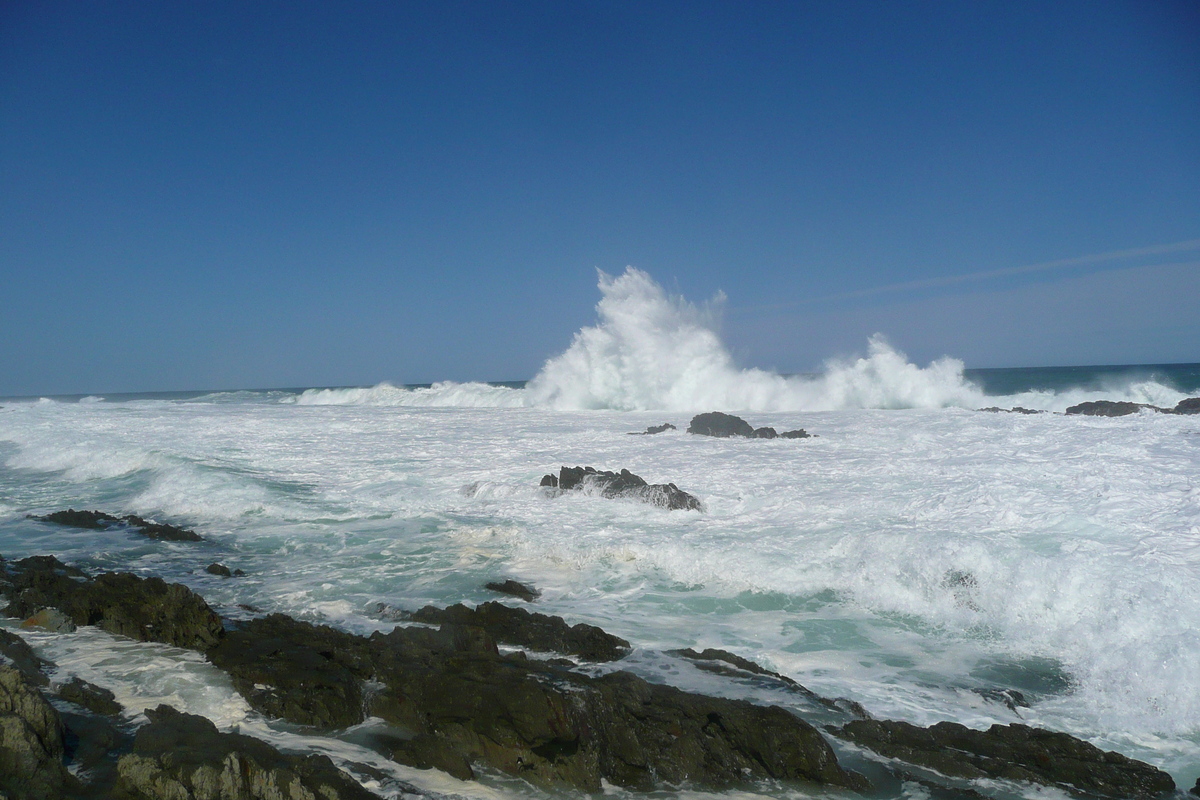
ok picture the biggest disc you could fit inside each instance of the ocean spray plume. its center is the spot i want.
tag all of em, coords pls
(651, 351)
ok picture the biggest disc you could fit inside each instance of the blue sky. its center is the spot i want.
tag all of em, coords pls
(222, 195)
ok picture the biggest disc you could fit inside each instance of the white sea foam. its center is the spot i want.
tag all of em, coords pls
(442, 394)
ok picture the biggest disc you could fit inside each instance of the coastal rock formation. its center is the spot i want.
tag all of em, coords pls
(1109, 408)
(716, 423)
(1188, 406)
(511, 587)
(146, 609)
(98, 520)
(1011, 752)
(623, 484)
(94, 698)
(223, 571)
(19, 655)
(1013, 410)
(181, 756)
(307, 674)
(31, 741)
(533, 719)
(540, 632)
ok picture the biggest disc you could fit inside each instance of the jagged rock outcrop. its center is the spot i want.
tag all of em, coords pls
(623, 484)
(31, 741)
(1012, 752)
(516, 626)
(146, 609)
(181, 756)
(1013, 410)
(98, 520)
(307, 674)
(515, 589)
(1188, 406)
(538, 720)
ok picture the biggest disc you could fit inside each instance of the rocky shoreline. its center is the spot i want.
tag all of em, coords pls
(453, 700)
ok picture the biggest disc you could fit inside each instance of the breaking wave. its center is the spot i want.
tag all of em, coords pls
(442, 394)
(651, 351)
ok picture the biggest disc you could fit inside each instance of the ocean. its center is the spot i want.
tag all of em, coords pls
(917, 555)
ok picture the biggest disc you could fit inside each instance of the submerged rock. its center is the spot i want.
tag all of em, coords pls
(522, 628)
(98, 520)
(180, 756)
(146, 609)
(1012, 752)
(511, 587)
(1013, 410)
(31, 741)
(623, 484)
(653, 429)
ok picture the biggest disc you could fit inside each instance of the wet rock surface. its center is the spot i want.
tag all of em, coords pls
(623, 484)
(1013, 410)
(1188, 406)
(94, 698)
(1108, 408)
(181, 756)
(653, 429)
(516, 626)
(515, 589)
(466, 703)
(98, 520)
(31, 741)
(1011, 752)
(146, 609)
(717, 423)
(20, 655)
(307, 674)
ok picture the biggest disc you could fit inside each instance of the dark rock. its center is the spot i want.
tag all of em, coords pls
(1010, 698)
(526, 593)
(716, 423)
(14, 649)
(183, 756)
(1013, 410)
(98, 520)
(94, 698)
(653, 429)
(549, 480)
(31, 741)
(799, 433)
(146, 609)
(463, 702)
(307, 674)
(765, 433)
(1189, 406)
(625, 484)
(218, 569)
(1109, 408)
(557, 728)
(722, 662)
(426, 751)
(1012, 752)
(516, 626)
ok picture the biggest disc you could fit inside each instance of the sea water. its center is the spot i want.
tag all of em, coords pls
(917, 555)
